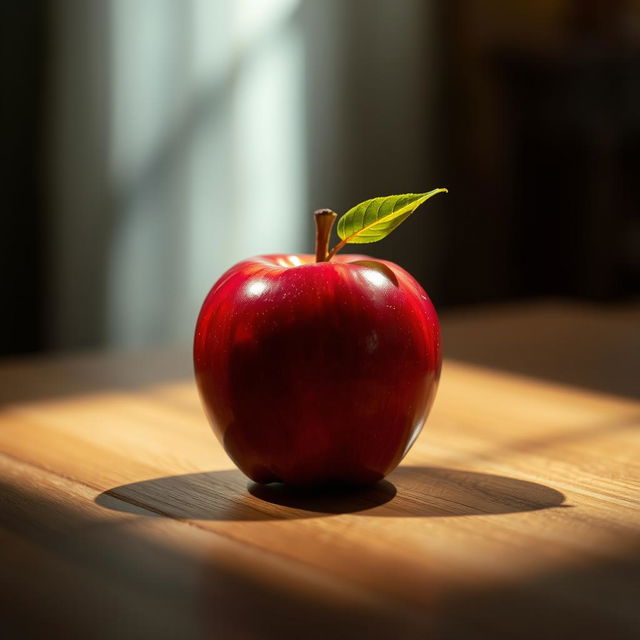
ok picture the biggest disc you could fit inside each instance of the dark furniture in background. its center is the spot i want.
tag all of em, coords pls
(575, 159)
(22, 77)
(541, 142)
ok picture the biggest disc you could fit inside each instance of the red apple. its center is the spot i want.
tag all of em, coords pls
(316, 373)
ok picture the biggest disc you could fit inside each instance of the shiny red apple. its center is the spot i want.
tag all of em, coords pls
(316, 373)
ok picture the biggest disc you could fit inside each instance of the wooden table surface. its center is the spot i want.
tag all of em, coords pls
(515, 515)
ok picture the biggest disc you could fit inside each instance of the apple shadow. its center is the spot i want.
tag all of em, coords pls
(409, 492)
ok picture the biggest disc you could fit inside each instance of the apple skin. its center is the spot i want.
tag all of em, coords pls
(317, 373)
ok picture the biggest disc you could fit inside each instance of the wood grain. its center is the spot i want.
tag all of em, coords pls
(516, 514)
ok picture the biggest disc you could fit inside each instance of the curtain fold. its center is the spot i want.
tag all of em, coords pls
(177, 149)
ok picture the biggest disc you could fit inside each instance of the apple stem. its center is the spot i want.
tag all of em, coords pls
(324, 223)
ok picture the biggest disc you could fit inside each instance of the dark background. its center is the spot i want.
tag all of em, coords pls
(528, 112)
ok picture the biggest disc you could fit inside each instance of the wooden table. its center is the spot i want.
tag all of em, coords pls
(515, 515)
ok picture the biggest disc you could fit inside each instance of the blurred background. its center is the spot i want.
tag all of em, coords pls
(147, 145)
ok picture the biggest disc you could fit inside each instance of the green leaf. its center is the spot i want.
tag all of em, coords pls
(375, 219)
